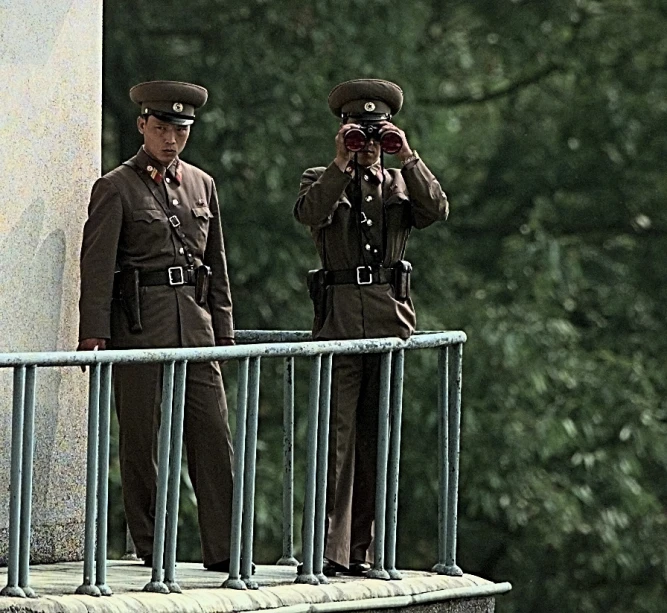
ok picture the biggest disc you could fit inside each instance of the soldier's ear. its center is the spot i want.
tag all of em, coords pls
(141, 124)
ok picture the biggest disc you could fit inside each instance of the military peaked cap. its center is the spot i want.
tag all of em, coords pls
(171, 101)
(365, 97)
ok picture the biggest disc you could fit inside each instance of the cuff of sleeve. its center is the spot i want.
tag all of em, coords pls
(86, 331)
(410, 161)
(223, 333)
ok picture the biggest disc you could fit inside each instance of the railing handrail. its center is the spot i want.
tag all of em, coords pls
(253, 345)
(207, 354)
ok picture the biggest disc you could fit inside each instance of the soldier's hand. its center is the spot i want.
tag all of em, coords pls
(91, 344)
(343, 155)
(404, 152)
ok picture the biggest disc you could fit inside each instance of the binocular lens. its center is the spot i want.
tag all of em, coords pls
(354, 139)
(391, 142)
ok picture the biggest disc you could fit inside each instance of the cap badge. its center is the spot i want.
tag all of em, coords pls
(369, 106)
(178, 107)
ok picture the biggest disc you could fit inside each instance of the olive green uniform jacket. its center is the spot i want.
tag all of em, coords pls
(412, 198)
(127, 227)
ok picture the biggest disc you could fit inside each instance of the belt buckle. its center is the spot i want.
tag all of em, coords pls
(176, 275)
(364, 275)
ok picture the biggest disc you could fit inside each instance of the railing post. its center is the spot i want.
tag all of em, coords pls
(378, 571)
(175, 477)
(87, 587)
(249, 478)
(322, 464)
(233, 581)
(12, 588)
(307, 576)
(394, 463)
(288, 558)
(454, 436)
(130, 549)
(443, 457)
(103, 481)
(26, 481)
(156, 584)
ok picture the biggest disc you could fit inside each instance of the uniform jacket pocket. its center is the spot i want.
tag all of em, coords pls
(203, 212)
(147, 215)
(397, 198)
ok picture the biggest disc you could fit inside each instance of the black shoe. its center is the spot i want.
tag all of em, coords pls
(329, 568)
(223, 567)
(357, 569)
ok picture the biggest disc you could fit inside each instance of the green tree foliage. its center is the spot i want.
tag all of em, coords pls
(545, 123)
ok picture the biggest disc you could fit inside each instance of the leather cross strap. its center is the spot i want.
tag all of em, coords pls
(174, 221)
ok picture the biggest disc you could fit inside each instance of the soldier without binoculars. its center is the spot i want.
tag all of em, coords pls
(154, 274)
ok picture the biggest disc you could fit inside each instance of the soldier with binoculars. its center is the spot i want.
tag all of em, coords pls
(360, 215)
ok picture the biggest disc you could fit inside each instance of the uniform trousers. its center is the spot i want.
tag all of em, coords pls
(138, 393)
(352, 460)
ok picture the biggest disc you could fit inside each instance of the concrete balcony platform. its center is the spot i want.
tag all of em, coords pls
(420, 592)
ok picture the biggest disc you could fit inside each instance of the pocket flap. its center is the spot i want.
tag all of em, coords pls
(397, 198)
(202, 211)
(147, 215)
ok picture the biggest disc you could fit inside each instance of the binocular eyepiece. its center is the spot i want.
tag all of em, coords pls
(355, 139)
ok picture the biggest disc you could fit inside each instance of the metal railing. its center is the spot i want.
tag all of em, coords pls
(252, 348)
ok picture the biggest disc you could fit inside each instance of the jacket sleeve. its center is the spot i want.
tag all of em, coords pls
(319, 193)
(98, 260)
(219, 295)
(429, 202)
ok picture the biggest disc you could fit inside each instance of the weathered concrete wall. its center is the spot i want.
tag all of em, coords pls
(50, 130)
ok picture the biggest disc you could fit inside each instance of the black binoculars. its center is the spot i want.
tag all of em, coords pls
(355, 139)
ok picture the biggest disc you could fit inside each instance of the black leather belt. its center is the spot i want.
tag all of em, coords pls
(361, 275)
(175, 275)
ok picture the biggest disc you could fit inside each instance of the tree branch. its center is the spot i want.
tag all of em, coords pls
(508, 89)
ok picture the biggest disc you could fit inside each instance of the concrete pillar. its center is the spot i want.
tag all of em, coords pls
(50, 135)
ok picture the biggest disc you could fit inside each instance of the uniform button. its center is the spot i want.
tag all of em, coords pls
(149, 168)
(174, 201)
(168, 180)
(365, 177)
(181, 251)
(369, 198)
(367, 247)
(369, 222)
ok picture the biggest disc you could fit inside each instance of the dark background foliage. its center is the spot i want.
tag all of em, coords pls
(545, 123)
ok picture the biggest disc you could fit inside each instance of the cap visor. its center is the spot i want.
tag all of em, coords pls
(173, 119)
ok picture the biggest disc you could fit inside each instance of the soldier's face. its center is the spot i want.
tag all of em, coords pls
(162, 140)
(370, 153)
